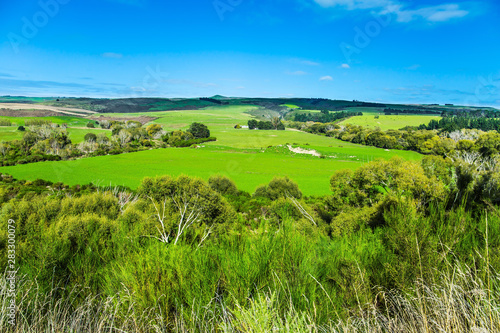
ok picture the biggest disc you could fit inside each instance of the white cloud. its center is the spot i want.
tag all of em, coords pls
(440, 13)
(112, 55)
(296, 73)
(309, 63)
(433, 14)
(326, 78)
(346, 66)
(354, 4)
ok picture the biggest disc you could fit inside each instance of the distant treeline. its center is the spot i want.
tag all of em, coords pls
(471, 113)
(390, 111)
(213, 100)
(457, 123)
(422, 141)
(325, 116)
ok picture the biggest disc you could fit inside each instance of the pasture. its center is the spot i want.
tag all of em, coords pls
(249, 157)
(248, 168)
(389, 122)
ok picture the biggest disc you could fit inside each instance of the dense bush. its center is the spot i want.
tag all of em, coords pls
(199, 131)
(182, 243)
(223, 185)
(279, 188)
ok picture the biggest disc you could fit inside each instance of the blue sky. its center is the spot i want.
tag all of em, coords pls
(374, 50)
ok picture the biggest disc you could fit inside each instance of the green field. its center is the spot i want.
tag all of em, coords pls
(248, 168)
(389, 122)
(71, 121)
(249, 157)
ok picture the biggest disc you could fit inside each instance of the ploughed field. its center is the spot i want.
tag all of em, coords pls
(249, 157)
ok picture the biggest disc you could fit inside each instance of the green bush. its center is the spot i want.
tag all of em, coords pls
(279, 187)
(223, 185)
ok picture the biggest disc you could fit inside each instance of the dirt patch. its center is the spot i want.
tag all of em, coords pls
(299, 150)
(143, 119)
(27, 113)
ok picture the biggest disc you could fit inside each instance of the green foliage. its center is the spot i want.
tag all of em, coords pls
(199, 131)
(193, 193)
(279, 187)
(153, 129)
(252, 124)
(21, 129)
(37, 122)
(223, 185)
(5, 122)
(371, 181)
(91, 240)
(90, 137)
(90, 124)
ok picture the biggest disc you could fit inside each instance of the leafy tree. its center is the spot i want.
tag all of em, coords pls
(252, 124)
(90, 137)
(199, 130)
(21, 129)
(183, 203)
(90, 124)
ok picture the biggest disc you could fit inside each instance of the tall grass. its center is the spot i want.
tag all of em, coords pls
(460, 302)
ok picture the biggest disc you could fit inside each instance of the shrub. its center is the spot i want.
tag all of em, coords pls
(185, 201)
(223, 185)
(21, 128)
(279, 188)
(90, 124)
(90, 137)
(36, 122)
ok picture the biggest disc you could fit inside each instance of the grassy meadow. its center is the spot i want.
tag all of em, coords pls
(389, 122)
(249, 157)
(248, 168)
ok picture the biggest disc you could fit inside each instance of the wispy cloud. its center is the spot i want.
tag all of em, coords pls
(402, 10)
(354, 4)
(441, 13)
(306, 62)
(55, 88)
(345, 66)
(6, 75)
(112, 55)
(298, 73)
(326, 78)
